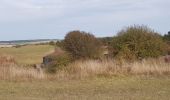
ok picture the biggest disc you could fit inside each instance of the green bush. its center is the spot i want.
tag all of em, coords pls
(58, 62)
(137, 42)
(82, 45)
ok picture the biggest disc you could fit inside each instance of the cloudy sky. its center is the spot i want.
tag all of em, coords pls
(35, 19)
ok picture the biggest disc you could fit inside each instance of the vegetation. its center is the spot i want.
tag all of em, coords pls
(82, 45)
(52, 43)
(137, 42)
(116, 88)
(60, 44)
(59, 59)
(167, 36)
(85, 77)
(30, 54)
(106, 40)
(87, 69)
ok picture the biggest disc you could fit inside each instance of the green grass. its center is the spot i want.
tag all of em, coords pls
(91, 89)
(30, 54)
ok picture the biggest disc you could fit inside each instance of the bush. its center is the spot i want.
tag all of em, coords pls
(58, 62)
(82, 45)
(137, 42)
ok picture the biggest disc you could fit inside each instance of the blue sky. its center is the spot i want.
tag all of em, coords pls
(35, 19)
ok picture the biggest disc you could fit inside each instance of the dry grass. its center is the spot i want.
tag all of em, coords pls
(109, 68)
(22, 82)
(9, 70)
(84, 69)
(90, 68)
(13, 72)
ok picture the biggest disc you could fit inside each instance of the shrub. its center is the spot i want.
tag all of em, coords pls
(58, 62)
(82, 45)
(137, 42)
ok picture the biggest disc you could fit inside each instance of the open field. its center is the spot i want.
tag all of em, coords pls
(30, 54)
(116, 88)
(82, 80)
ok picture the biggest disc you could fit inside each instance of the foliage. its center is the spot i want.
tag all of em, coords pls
(82, 45)
(60, 44)
(167, 36)
(137, 42)
(52, 43)
(105, 40)
(58, 62)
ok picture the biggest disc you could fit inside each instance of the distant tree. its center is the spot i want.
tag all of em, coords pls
(167, 36)
(51, 43)
(105, 40)
(82, 45)
(60, 43)
(137, 42)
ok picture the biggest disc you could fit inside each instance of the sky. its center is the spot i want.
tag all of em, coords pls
(53, 19)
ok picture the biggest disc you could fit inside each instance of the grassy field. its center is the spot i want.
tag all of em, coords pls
(82, 80)
(116, 88)
(30, 54)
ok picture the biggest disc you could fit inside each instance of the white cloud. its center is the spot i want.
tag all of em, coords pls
(100, 16)
(25, 10)
(14, 10)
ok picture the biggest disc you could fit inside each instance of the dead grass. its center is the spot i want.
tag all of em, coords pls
(13, 72)
(92, 68)
(20, 83)
(84, 69)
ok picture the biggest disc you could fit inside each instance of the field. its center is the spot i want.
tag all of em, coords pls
(116, 88)
(30, 54)
(87, 80)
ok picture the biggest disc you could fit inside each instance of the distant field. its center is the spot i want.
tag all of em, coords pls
(97, 89)
(30, 54)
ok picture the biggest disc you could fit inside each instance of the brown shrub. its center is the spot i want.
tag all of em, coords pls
(82, 45)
